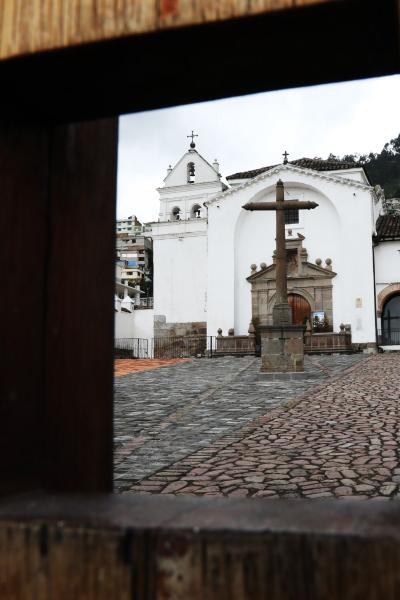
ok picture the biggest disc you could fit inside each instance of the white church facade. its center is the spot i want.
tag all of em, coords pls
(214, 261)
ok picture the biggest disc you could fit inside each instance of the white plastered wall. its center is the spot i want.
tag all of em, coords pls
(180, 278)
(136, 324)
(387, 266)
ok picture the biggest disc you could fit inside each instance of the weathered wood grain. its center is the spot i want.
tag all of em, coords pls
(160, 548)
(38, 25)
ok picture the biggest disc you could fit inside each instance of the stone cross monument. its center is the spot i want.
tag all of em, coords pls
(282, 343)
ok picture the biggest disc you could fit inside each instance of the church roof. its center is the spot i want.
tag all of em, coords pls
(388, 227)
(316, 164)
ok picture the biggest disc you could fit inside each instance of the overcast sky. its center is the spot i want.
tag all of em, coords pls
(248, 132)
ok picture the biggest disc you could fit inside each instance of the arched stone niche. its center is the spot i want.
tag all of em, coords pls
(311, 281)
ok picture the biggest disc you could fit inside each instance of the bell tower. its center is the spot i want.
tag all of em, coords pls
(180, 245)
(187, 185)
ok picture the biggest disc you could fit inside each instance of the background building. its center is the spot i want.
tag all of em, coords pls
(128, 225)
(134, 251)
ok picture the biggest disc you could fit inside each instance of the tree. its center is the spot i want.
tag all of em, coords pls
(146, 284)
(382, 168)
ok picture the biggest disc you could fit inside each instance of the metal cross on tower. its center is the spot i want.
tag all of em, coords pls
(281, 314)
(285, 155)
(192, 135)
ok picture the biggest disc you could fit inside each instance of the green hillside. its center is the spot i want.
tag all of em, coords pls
(382, 168)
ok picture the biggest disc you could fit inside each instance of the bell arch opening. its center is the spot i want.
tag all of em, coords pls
(176, 213)
(195, 213)
(191, 173)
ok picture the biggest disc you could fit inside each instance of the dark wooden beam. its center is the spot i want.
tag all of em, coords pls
(58, 190)
(79, 306)
(24, 153)
(332, 41)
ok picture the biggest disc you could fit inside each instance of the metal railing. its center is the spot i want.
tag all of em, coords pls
(231, 345)
(143, 303)
(188, 346)
(161, 347)
(132, 348)
(179, 346)
(389, 337)
(213, 346)
(327, 342)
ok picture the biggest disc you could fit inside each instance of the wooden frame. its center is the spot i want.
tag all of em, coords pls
(58, 180)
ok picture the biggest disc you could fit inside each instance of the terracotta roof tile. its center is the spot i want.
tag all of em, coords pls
(388, 227)
(317, 164)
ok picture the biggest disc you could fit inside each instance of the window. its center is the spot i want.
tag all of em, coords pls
(291, 216)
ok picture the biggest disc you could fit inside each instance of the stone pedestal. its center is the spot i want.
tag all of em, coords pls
(282, 348)
(282, 314)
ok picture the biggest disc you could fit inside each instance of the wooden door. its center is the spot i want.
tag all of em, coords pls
(301, 310)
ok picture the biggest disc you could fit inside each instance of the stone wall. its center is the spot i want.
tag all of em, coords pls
(320, 343)
(235, 344)
(162, 328)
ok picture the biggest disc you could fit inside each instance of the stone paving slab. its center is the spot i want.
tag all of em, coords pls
(337, 440)
(165, 415)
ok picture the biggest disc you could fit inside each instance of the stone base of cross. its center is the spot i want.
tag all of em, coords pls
(282, 348)
(282, 345)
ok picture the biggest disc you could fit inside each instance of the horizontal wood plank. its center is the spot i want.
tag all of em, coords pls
(39, 25)
(160, 548)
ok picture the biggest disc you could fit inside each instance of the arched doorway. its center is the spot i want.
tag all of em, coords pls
(391, 321)
(301, 310)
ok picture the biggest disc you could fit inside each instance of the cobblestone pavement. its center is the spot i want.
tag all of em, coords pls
(124, 366)
(340, 439)
(196, 409)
